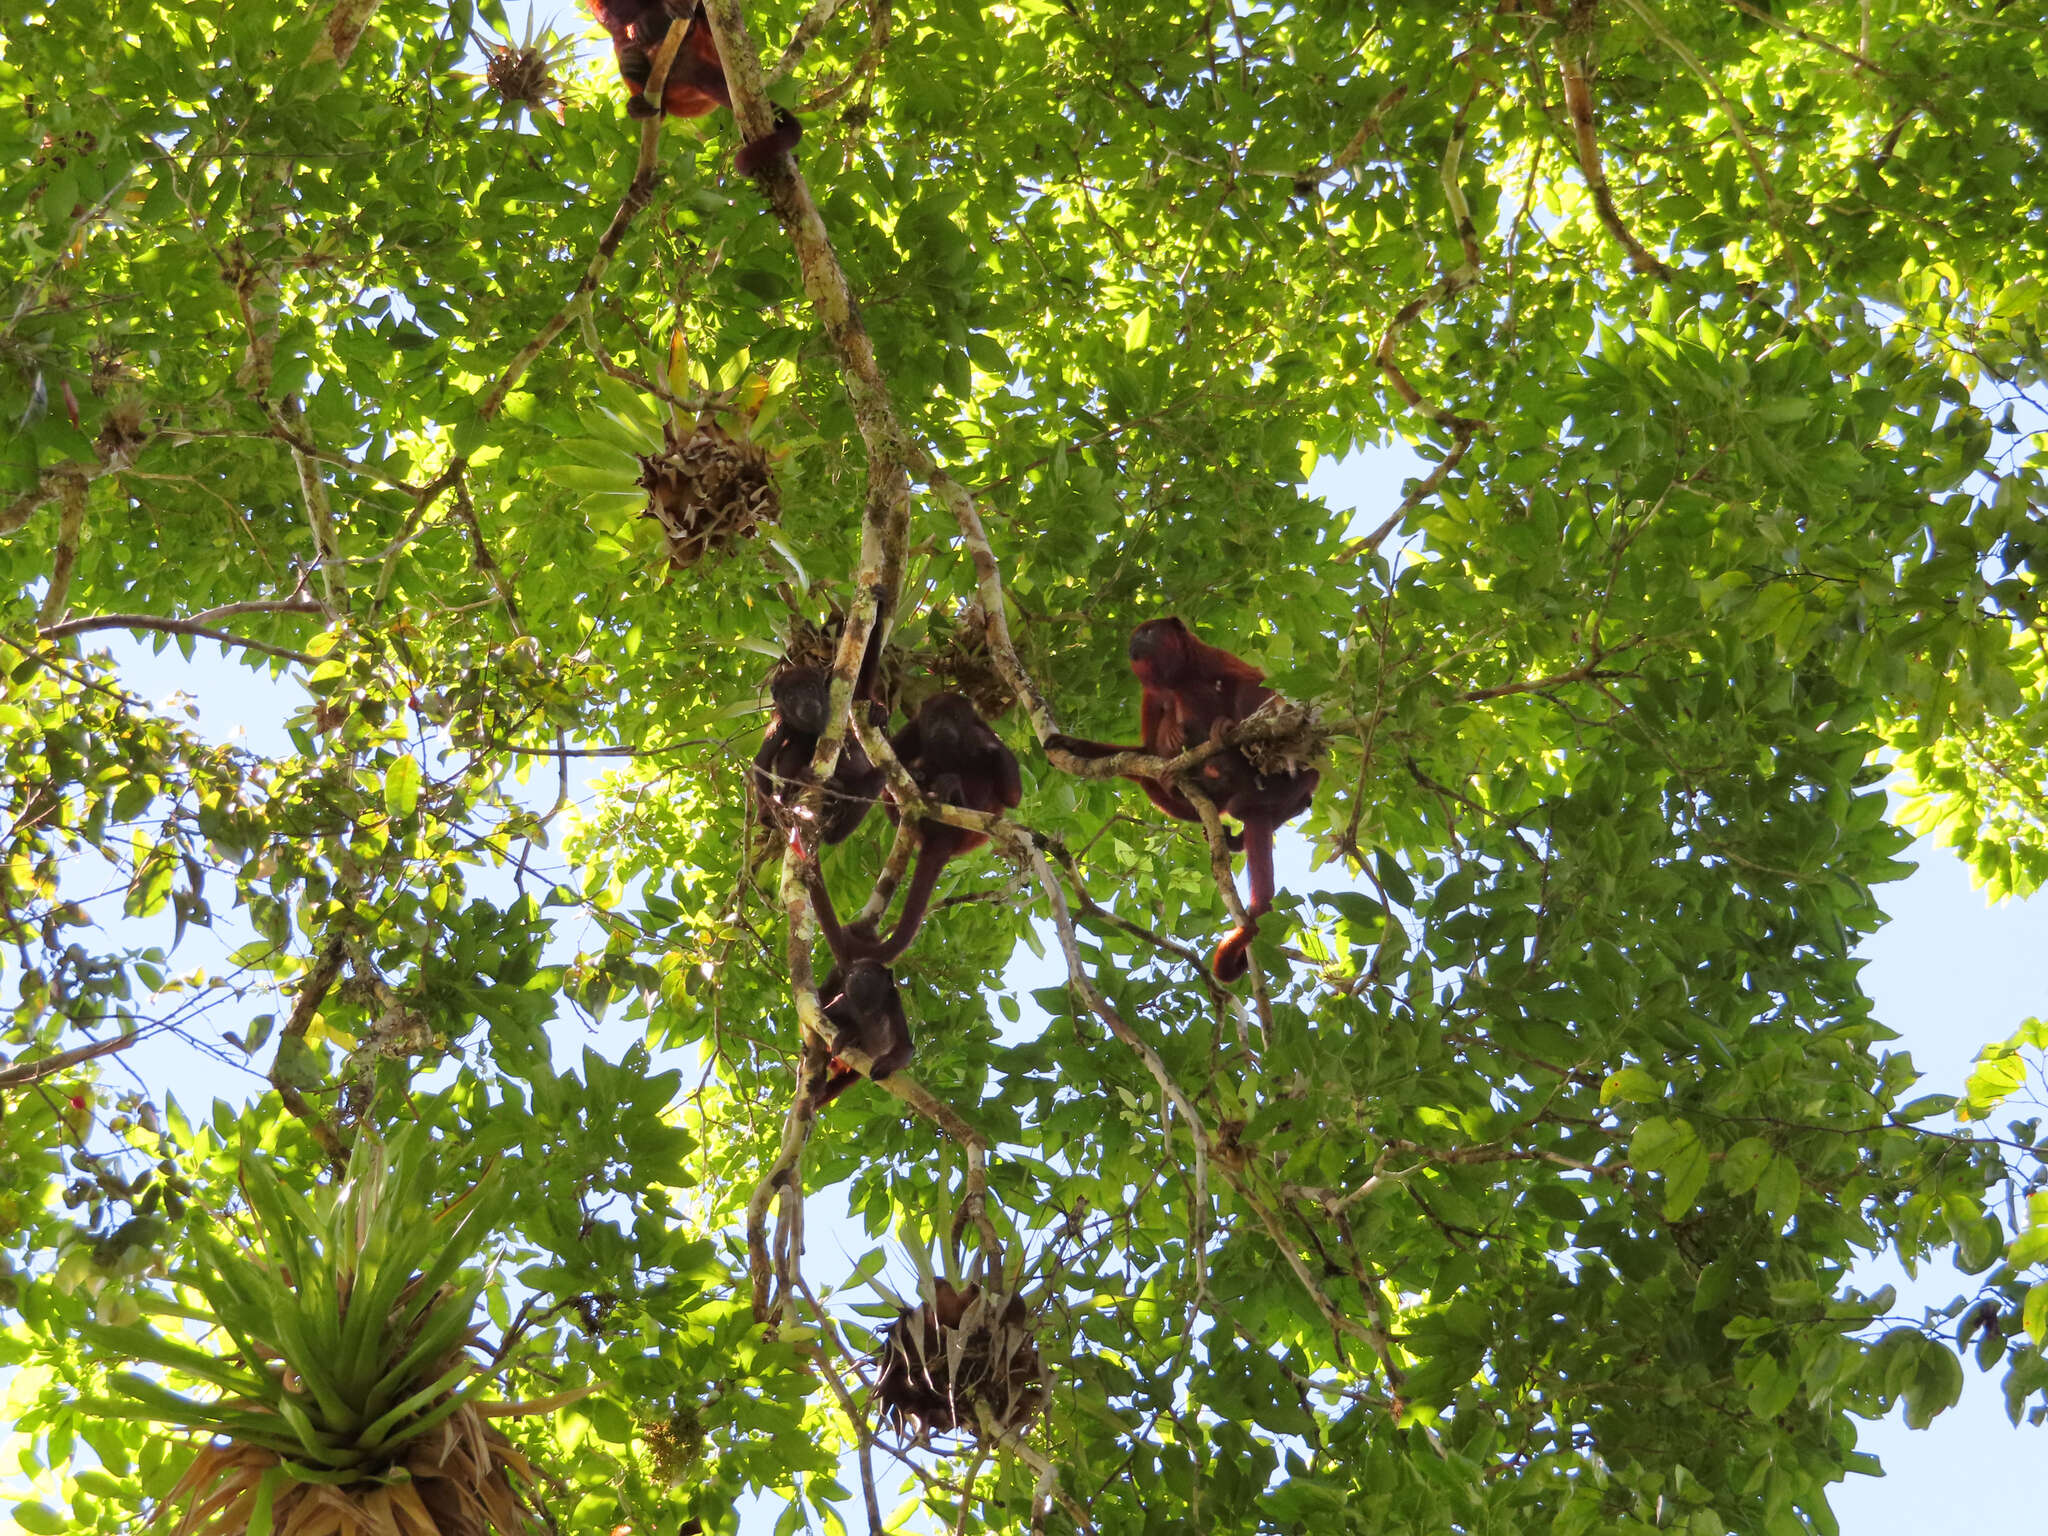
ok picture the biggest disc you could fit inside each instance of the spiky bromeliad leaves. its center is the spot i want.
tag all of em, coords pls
(966, 1350)
(349, 1402)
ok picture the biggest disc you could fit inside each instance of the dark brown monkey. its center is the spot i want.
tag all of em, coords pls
(782, 768)
(866, 1012)
(957, 760)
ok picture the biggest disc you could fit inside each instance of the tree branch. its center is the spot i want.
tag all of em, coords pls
(639, 192)
(21, 1073)
(1570, 48)
(150, 621)
(70, 525)
(312, 993)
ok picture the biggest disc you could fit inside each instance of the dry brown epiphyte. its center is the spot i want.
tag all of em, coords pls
(123, 433)
(458, 1480)
(524, 73)
(708, 491)
(1293, 738)
(967, 662)
(676, 1443)
(521, 75)
(965, 1361)
(812, 644)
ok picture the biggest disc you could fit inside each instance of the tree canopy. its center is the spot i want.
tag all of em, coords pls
(1516, 1190)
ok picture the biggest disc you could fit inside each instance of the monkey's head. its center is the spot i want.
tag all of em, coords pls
(803, 698)
(869, 988)
(947, 723)
(1159, 651)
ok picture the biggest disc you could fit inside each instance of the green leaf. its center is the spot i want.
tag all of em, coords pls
(259, 1519)
(136, 1341)
(1771, 1386)
(1685, 1175)
(2029, 1248)
(1744, 1163)
(1936, 1383)
(1778, 1189)
(392, 1427)
(585, 477)
(402, 785)
(1657, 1140)
(1631, 1085)
(2034, 1314)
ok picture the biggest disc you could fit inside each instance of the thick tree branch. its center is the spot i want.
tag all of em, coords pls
(70, 527)
(1571, 46)
(346, 24)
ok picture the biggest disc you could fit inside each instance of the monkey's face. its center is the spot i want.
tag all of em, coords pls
(869, 988)
(946, 725)
(802, 697)
(1159, 652)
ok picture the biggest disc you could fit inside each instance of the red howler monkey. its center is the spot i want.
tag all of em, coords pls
(1192, 693)
(696, 79)
(866, 1012)
(956, 760)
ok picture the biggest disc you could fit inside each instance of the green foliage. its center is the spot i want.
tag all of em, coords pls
(1528, 1188)
(364, 1304)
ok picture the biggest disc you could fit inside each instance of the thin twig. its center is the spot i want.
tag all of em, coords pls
(1369, 128)
(485, 560)
(1860, 60)
(319, 508)
(815, 21)
(639, 192)
(1424, 489)
(19, 1073)
(164, 626)
(1691, 61)
(863, 1437)
(259, 605)
(312, 992)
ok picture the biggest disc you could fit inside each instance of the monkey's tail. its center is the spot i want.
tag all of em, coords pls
(835, 1085)
(1233, 956)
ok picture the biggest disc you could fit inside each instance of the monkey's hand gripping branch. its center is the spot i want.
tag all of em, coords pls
(1280, 726)
(1281, 735)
